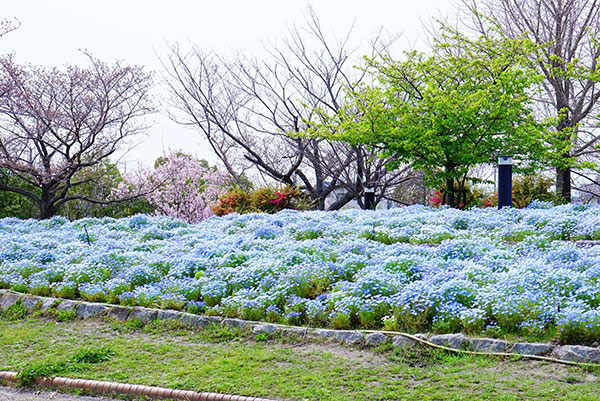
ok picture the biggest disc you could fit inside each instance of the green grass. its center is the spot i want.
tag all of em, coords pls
(228, 360)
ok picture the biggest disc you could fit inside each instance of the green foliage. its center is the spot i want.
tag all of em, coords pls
(215, 333)
(29, 373)
(102, 180)
(65, 315)
(341, 321)
(262, 337)
(93, 355)
(269, 199)
(99, 183)
(14, 312)
(308, 233)
(526, 189)
(585, 331)
(390, 323)
(387, 237)
(13, 204)
(445, 114)
(77, 362)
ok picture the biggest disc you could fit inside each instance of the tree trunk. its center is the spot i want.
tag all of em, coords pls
(450, 193)
(563, 174)
(47, 208)
(563, 184)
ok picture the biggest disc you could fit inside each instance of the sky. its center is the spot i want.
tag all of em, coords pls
(53, 33)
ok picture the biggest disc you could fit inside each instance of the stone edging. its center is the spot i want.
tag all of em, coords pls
(84, 310)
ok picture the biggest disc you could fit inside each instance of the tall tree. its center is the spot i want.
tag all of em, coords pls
(566, 31)
(446, 113)
(250, 111)
(55, 123)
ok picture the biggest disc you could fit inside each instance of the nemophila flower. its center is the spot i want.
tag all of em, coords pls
(511, 267)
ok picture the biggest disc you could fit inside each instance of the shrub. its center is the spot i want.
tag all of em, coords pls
(525, 190)
(468, 197)
(270, 199)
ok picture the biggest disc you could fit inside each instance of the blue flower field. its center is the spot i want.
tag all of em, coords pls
(414, 268)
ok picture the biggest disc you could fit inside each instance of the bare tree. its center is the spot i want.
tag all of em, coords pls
(251, 111)
(55, 123)
(567, 31)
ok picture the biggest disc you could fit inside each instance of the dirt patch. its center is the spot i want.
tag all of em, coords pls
(539, 371)
(356, 356)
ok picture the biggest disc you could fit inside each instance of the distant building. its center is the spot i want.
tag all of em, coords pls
(339, 193)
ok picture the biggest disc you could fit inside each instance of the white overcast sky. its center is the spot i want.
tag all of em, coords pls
(53, 31)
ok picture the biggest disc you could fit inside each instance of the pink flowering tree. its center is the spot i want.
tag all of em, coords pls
(179, 186)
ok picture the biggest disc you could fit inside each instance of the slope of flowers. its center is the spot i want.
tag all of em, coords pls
(510, 270)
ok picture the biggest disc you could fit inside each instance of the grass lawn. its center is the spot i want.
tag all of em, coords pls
(229, 361)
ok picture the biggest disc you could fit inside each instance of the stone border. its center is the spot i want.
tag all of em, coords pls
(85, 310)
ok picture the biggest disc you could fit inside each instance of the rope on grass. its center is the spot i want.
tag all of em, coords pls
(482, 353)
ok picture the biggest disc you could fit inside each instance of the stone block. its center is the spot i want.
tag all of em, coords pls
(322, 333)
(66, 305)
(265, 328)
(577, 353)
(47, 303)
(8, 299)
(168, 315)
(402, 342)
(194, 321)
(86, 310)
(293, 331)
(118, 312)
(487, 345)
(457, 341)
(30, 302)
(236, 323)
(144, 315)
(349, 336)
(375, 339)
(538, 349)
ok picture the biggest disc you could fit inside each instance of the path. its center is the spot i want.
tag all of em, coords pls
(18, 394)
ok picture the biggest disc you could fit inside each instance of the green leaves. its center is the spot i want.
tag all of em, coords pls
(446, 113)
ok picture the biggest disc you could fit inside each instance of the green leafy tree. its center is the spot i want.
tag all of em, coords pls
(12, 204)
(446, 113)
(568, 58)
(101, 182)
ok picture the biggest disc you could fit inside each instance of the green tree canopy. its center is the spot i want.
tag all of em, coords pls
(464, 105)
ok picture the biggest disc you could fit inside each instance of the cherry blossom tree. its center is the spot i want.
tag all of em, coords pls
(8, 25)
(179, 186)
(55, 123)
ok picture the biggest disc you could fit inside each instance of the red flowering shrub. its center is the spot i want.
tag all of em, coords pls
(265, 199)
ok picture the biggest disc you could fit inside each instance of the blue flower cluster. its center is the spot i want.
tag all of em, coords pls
(427, 268)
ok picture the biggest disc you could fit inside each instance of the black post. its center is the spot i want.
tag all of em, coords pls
(369, 198)
(504, 181)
